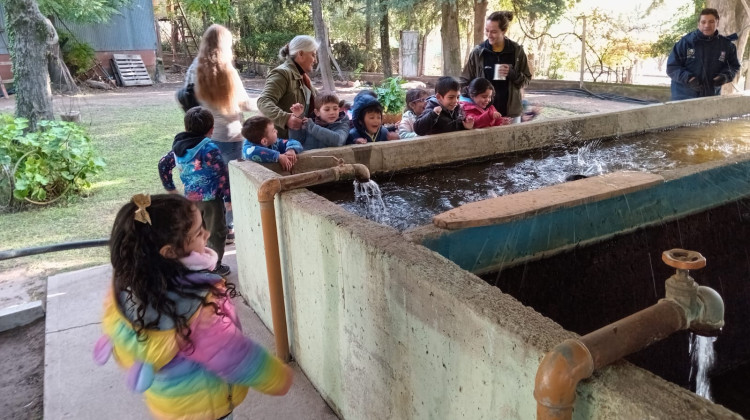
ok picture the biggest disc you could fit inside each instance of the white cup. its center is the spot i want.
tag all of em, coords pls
(497, 73)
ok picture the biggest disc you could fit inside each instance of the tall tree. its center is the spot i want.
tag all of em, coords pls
(734, 17)
(324, 52)
(450, 38)
(480, 12)
(385, 40)
(30, 34)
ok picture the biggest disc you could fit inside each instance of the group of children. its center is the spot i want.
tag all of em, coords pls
(169, 315)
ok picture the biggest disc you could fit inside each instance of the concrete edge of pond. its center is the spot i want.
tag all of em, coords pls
(421, 152)
(543, 200)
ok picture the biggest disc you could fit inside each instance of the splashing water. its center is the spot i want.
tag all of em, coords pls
(701, 360)
(368, 197)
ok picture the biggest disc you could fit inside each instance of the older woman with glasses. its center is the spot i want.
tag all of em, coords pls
(290, 84)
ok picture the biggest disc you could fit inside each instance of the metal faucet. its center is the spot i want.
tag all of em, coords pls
(703, 306)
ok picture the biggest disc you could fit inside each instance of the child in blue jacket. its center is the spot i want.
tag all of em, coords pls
(204, 175)
(330, 127)
(262, 144)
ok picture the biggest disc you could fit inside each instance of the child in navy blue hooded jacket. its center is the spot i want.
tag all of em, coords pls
(367, 117)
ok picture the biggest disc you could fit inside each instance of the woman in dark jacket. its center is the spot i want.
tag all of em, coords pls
(513, 71)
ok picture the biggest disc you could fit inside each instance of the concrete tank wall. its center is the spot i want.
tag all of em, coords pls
(385, 328)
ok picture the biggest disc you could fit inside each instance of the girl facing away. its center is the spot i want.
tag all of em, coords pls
(416, 100)
(479, 104)
(170, 322)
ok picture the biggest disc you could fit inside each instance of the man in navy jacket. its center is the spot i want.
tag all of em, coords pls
(702, 61)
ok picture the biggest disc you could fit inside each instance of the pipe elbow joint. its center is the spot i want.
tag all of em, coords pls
(268, 189)
(361, 172)
(710, 319)
(558, 375)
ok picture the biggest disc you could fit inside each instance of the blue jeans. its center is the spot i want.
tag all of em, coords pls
(230, 150)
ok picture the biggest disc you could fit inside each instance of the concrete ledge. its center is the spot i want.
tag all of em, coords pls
(529, 203)
(20, 315)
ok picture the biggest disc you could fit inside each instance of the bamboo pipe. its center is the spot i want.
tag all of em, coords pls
(266, 196)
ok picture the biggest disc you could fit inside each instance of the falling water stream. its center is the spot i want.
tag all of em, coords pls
(701, 360)
(368, 197)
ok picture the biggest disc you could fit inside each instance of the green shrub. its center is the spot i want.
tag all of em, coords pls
(78, 56)
(391, 95)
(263, 48)
(46, 164)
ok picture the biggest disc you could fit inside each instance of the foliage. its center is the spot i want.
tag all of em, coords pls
(687, 22)
(83, 11)
(351, 56)
(357, 73)
(215, 10)
(47, 163)
(78, 56)
(391, 95)
(266, 25)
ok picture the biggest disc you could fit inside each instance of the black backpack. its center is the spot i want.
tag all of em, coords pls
(186, 97)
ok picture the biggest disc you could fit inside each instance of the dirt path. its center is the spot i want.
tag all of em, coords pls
(22, 349)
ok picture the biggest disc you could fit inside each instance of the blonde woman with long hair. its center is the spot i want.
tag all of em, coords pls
(219, 88)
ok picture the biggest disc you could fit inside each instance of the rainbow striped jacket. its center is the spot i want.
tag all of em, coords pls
(204, 382)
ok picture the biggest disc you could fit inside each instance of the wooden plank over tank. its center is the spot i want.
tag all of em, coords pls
(516, 206)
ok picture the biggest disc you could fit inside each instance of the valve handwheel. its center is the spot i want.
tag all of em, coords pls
(682, 259)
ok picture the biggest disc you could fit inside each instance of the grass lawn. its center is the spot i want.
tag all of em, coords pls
(131, 140)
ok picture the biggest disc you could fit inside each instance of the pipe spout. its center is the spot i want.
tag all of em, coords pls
(710, 319)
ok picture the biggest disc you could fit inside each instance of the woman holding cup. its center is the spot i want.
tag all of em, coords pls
(501, 61)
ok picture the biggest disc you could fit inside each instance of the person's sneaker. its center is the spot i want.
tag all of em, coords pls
(222, 270)
(230, 238)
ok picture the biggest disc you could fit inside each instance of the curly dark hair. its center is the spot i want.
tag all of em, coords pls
(145, 276)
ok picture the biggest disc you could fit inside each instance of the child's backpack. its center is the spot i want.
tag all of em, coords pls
(186, 97)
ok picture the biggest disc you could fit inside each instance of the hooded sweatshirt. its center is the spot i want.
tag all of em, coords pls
(361, 104)
(431, 123)
(702, 57)
(204, 381)
(202, 169)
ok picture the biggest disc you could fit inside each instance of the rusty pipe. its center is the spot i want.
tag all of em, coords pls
(266, 196)
(686, 305)
(574, 360)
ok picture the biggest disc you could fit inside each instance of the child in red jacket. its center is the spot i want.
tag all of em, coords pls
(479, 105)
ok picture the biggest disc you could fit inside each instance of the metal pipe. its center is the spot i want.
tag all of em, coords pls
(687, 305)
(266, 197)
(65, 246)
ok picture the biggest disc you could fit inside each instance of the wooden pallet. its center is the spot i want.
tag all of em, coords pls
(130, 70)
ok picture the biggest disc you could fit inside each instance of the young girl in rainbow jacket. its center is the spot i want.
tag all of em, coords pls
(170, 322)
(479, 104)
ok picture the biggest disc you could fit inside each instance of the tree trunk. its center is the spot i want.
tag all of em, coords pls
(734, 16)
(30, 32)
(61, 79)
(324, 52)
(480, 11)
(368, 33)
(385, 40)
(450, 38)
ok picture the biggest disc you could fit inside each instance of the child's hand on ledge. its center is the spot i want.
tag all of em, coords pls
(496, 115)
(392, 135)
(292, 155)
(469, 123)
(360, 141)
(285, 162)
